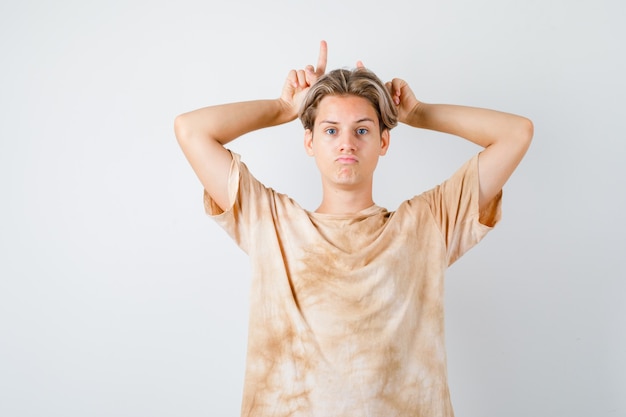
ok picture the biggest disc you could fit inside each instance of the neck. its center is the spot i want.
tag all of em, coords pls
(338, 201)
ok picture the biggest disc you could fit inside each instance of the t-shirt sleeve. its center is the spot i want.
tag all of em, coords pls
(248, 200)
(455, 209)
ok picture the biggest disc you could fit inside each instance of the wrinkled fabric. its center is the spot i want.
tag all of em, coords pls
(347, 311)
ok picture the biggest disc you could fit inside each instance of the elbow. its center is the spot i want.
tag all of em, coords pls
(529, 128)
(181, 127)
(525, 132)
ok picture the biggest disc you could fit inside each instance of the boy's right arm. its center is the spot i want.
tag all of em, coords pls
(203, 133)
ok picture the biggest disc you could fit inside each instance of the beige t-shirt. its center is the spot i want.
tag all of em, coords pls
(346, 315)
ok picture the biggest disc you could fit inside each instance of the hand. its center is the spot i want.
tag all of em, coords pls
(298, 82)
(403, 97)
(405, 101)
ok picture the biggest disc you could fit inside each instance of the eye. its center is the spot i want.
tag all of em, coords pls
(362, 131)
(331, 131)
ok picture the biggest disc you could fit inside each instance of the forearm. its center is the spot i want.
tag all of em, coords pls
(483, 127)
(226, 122)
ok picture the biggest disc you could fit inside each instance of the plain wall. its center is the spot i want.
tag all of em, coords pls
(118, 297)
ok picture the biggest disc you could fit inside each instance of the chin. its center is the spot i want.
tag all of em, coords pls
(347, 180)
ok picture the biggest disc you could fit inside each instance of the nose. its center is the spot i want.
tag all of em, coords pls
(348, 142)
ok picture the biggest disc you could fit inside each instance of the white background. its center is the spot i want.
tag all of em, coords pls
(118, 297)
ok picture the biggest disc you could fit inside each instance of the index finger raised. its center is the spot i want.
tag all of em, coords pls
(323, 58)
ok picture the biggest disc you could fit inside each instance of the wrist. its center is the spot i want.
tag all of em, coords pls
(286, 111)
(416, 116)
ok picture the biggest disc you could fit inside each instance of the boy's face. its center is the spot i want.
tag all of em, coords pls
(346, 141)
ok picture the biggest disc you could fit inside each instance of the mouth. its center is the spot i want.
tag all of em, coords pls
(347, 159)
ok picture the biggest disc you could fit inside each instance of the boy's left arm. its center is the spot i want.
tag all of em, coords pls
(505, 136)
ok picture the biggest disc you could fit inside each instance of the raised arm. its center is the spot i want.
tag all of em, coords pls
(505, 137)
(203, 133)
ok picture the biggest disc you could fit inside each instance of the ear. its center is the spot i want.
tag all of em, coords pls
(384, 141)
(308, 142)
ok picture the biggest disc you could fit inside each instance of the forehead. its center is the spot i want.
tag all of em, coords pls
(345, 109)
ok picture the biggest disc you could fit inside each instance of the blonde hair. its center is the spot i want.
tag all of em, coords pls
(359, 82)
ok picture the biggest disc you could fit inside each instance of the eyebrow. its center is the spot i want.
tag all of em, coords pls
(364, 119)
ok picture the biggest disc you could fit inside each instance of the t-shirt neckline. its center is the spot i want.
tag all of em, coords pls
(366, 212)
